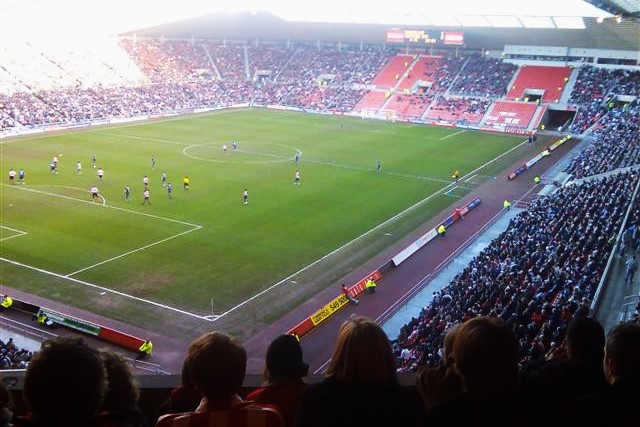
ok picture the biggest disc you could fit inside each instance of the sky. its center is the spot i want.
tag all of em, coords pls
(57, 18)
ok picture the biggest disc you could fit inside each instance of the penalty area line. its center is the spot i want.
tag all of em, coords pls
(102, 288)
(141, 248)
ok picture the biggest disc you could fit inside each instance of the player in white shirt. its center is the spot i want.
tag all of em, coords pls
(12, 175)
(78, 167)
(55, 159)
(164, 179)
(94, 193)
(145, 180)
(296, 179)
(100, 174)
(245, 197)
(147, 195)
(224, 147)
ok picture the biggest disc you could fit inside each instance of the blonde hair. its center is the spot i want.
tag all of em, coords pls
(362, 354)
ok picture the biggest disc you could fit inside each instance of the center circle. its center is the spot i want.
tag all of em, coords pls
(246, 152)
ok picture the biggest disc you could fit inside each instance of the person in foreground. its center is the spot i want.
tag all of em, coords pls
(283, 372)
(485, 355)
(360, 386)
(216, 364)
(619, 404)
(55, 393)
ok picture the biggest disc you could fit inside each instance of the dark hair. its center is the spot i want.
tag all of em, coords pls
(485, 353)
(123, 392)
(585, 339)
(623, 348)
(284, 358)
(65, 383)
(217, 364)
(362, 354)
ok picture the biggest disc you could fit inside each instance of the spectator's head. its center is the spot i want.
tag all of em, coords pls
(284, 359)
(585, 340)
(485, 354)
(123, 392)
(217, 365)
(5, 413)
(622, 353)
(65, 383)
(362, 354)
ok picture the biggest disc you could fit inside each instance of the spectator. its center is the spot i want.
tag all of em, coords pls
(283, 373)
(216, 364)
(121, 398)
(616, 405)
(360, 386)
(485, 355)
(64, 385)
(184, 398)
(573, 370)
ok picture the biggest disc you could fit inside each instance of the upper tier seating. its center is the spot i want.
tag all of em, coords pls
(486, 77)
(550, 79)
(393, 71)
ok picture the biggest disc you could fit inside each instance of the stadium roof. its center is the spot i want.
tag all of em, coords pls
(622, 8)
(34, 18)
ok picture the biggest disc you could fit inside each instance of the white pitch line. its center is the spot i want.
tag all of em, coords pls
(131, 252)
(13, 237)
(471, 177)
(62, 196)
(275, 285)
(12, 229)
(364, 169)
(453, 134)
(94, 286)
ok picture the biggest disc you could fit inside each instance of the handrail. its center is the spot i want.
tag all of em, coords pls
(27, 330)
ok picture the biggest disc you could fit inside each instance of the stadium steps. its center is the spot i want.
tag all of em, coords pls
(285, 65)
(246, 62)
(212, 62)
(568, 89)
(386, 78)
(486, 114)
(537, 117)
(447, 92)
(407, 70)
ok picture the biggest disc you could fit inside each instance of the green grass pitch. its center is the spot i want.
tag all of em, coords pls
(205, 247)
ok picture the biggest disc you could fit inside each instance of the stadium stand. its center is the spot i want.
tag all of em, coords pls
(12, 357)
(593, 87)
(371, 100)
(515, 114)
(615, 144)
(470, 110)
(392, 72)
(486, 77)
(536, 275)
(408, 105)
(549, 79)
(268, 59)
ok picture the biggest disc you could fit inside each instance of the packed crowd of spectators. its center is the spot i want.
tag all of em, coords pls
(536, 276)
(12, 357)
(484, 77)
(230, 60)
(170, 61)
(594, 87)
(615, 144)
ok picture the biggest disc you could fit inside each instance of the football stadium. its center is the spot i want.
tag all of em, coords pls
(252, 214)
